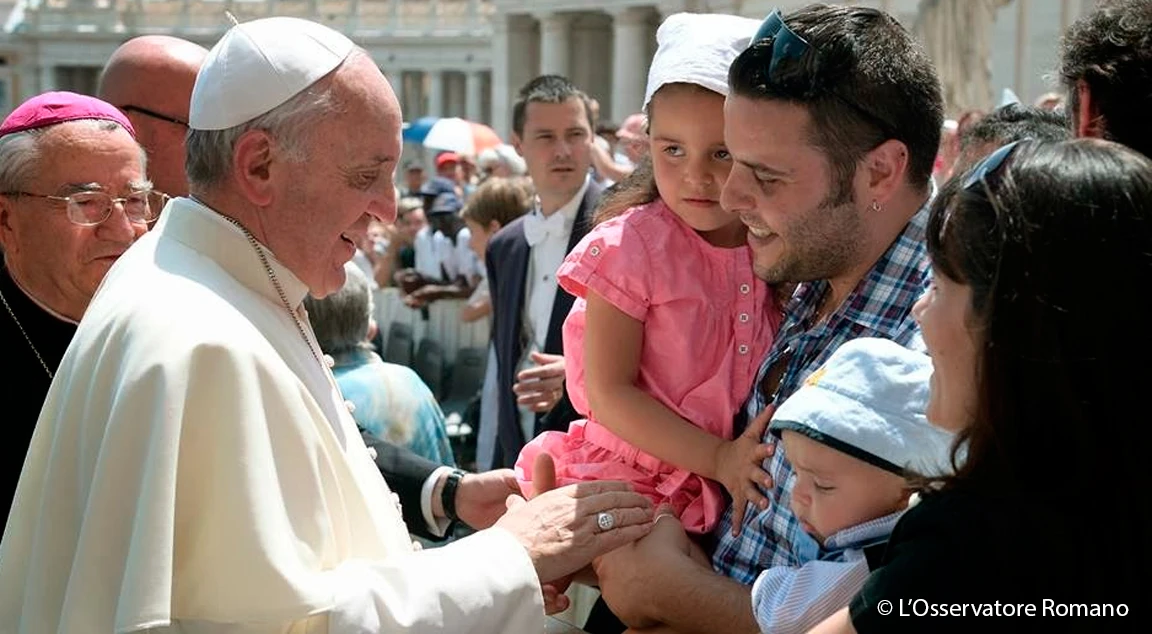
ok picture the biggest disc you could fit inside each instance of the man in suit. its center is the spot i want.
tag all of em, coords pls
(552, 130)
(433, 498)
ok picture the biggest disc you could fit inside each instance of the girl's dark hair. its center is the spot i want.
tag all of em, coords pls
(1055, 245)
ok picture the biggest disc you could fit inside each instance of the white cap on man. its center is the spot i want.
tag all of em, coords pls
(260, 65)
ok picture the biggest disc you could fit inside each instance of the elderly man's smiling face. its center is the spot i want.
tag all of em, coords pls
(325, 203)
(57, 261)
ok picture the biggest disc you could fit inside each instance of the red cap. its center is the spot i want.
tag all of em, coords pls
(446, 157)
(51, 108)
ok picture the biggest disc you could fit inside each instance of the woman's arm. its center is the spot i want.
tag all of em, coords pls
(385, 266)
(476, 309)
(604, 163)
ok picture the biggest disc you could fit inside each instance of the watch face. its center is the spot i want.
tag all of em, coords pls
(448, 494)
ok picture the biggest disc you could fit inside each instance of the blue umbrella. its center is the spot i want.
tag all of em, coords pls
(416, 131)
(451, 134)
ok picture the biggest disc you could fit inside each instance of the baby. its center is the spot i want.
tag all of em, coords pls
(854, 432)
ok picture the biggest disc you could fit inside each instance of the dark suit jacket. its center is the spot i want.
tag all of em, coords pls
(507, 260)
(405, 472)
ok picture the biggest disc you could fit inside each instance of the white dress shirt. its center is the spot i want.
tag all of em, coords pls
(540, 286)
(465, 260)
(435, 254)
(361, 260)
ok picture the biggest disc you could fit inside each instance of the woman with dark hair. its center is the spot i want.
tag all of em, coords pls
(1036, 349)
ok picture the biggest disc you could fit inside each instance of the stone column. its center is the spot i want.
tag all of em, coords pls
(472, 108)
(501, 84)
(555, 43)
(352, 18)
(732, 6)
(436, 93)
(629, 63)
(47, 78)
(670, 7)
(396, 79)
(1021, 80)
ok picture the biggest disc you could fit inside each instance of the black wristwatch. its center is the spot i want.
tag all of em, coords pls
(448, 493)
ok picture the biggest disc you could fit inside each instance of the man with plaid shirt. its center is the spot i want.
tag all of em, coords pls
(833, 125)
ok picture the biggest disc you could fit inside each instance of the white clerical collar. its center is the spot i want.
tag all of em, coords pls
(205, 230)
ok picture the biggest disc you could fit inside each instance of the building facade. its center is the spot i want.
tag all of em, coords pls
(437, 53)
(467, 58)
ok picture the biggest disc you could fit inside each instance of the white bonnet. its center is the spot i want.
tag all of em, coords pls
(698, 48)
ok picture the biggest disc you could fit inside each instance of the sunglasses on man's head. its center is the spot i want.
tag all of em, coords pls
(786, 44)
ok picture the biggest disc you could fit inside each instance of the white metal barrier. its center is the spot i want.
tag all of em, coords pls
(440, 322)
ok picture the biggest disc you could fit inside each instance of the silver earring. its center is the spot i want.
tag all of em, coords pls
(876, 206)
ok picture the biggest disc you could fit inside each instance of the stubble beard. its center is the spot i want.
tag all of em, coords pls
(819, 246)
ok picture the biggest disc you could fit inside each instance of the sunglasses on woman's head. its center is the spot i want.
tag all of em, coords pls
(977, 180)
(989, 165)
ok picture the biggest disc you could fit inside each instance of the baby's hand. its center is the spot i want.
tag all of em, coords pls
(738, 468)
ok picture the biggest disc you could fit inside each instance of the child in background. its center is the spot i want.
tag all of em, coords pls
(496, 202)
(670, 324)
(855, 433)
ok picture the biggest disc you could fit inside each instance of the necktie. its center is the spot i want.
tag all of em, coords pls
(537, 228)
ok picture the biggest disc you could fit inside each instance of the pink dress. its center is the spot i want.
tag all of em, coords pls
(708, 323)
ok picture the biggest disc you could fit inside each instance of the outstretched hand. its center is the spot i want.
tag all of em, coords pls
(481, 497)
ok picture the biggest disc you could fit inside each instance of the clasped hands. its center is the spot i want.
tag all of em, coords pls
(558, 526)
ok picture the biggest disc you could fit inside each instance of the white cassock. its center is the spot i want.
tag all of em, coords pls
(194, 470)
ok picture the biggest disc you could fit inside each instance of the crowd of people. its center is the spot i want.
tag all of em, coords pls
(787, 352)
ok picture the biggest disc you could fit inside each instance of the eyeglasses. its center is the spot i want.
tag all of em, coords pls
(89, 209)
(786, 44)
(154, 115)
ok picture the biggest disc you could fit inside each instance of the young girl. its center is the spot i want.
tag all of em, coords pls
(670, 324)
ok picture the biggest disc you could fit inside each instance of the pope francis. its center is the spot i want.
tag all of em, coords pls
(194, 468)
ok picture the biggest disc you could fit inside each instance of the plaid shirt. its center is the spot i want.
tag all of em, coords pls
(880, 306)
